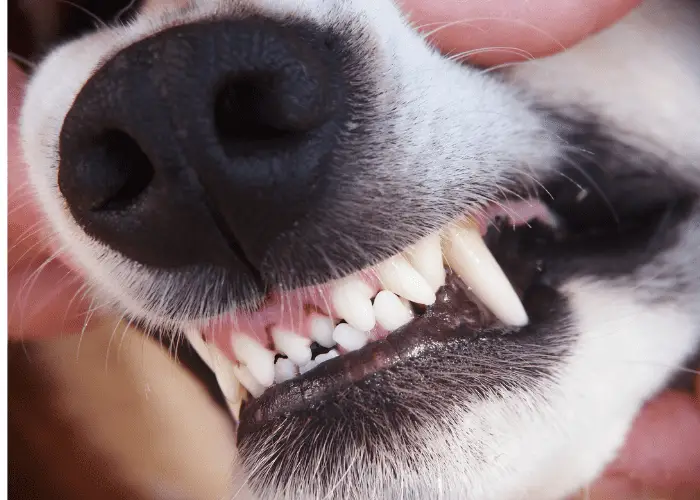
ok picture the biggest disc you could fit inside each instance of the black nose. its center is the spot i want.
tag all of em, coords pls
(203, 143)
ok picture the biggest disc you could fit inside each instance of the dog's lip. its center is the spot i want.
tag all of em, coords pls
(456, 316)
(438, 325)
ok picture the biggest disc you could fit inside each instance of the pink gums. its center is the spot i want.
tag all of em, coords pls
(294, 310)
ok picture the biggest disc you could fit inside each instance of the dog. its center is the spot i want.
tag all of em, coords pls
(413, 277)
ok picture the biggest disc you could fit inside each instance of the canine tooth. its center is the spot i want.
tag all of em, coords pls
(259, 361)
(223, 369)
(197, 342)
(248, 381)
(322, 330)
(285, 370)
(307, 367)
(468, 255)
(351, 300)
(390, 311)
(348, 337)
(294, 346)
(426, 258)
(398, 276)
(326, 356)
(225, 375)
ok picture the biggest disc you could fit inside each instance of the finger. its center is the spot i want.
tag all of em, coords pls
(662, 452)
(44, 296)
(519, 27)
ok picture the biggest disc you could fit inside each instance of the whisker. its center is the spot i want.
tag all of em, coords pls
(511, 50)
(21, 60)
(86, 11)
(125, 9)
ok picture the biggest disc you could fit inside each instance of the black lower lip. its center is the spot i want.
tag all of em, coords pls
(455, 316)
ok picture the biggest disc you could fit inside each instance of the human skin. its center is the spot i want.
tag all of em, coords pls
(502, 31)
(45, 295)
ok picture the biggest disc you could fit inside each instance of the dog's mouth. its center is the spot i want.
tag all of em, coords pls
(492, 278)
(304, 346)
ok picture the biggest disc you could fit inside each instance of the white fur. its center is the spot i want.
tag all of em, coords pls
(642, 83)
(549, 441)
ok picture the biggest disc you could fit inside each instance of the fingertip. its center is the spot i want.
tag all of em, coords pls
(512, 30)
(663, 448)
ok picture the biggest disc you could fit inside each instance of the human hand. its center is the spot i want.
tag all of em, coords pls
(44, 295)
(500, 31)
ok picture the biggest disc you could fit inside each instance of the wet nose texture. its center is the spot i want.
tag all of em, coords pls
(204, 143)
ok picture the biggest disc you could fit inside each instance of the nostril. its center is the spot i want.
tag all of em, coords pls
(270, 110)
(248, 113)
(124, 172)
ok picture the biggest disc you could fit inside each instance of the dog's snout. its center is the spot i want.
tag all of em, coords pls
(203, 143)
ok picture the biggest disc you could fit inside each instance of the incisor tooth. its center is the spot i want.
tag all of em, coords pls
(426, 258)
(259, 361)
(248, 381)
(398, 275)
(321, 358)
(351, 300)
(348, 337)
(390, 311)
(321, 330)
(294, 346)
(285, 370)
(307, 367)
(468, 256)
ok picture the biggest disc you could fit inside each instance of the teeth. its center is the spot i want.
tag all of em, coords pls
(223, 369)
(228, 380)
(307, 367)
(225, 375)
(398, 276)
(259, 361)
(248, 381)
(294, 346)
(325, 357)
(348, 337)
(200, 347)
(414, 277)
(322, 330)
(468, 256)
(426, 258)
(351, 300)
(390, 311)
(285, 370)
